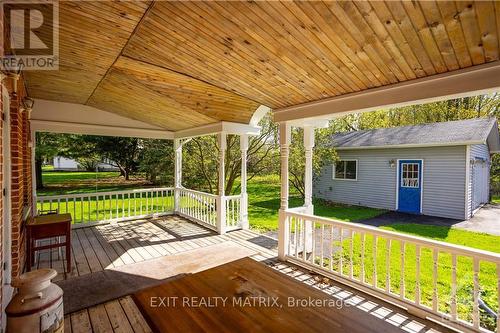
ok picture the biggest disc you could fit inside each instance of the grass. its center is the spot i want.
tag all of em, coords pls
(496, 199)
(263, 192)
(61, 182)
(487, 272)
(264, 203)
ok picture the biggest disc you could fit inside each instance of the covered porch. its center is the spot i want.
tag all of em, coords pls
(111, 246)
(178, 70)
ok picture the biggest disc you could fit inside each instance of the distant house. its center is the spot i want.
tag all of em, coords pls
(439, 169)
(67, 164)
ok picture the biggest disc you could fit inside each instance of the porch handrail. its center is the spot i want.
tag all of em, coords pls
(104, 207)
(199, 207)
(457, 249)
(233, 212)
(389, 265)
(198, 192)
(85, 195)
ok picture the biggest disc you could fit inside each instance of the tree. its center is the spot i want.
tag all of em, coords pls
(48, 145)
(156, 161)
(323, 154)
(121, 152)
(200, 158)
(453, 109)
(118, 151)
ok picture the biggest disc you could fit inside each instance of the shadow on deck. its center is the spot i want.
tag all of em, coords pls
(110, 247)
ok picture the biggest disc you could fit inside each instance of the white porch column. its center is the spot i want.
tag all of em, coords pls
(308, 184)
(308, 177)
(221, 200)
(33, 171)
(244, 195)
(283, 226)
(177, 173)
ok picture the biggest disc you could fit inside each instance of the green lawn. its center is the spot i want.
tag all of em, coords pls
(496, 199)
(487, 274)
(264, 203)
(60, 182)
(263, 192)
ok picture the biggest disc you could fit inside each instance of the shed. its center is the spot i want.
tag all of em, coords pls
(439, 169)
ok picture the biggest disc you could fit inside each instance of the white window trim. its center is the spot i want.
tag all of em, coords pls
(421, 182)
(346, 160)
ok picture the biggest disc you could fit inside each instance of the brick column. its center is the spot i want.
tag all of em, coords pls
(2, 158)
(17, 185)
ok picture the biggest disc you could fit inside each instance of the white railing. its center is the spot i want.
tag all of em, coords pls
(233, 212)
(430, 278)
(86, 208)
(198, 206)
(103, 207)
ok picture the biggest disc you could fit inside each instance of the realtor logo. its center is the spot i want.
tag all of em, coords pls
(31, 35)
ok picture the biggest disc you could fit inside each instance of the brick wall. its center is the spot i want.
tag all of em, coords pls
(1, 201)
(21, 196)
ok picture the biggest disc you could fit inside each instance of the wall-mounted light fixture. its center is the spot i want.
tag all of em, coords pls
(392, 163)
(28, 103)
(14, 75)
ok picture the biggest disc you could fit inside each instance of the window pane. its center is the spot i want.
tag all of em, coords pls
(351, 170)
(409, 176)
(339, 169)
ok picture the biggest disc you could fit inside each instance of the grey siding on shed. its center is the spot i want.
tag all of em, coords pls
(479, 178)
(443, 179)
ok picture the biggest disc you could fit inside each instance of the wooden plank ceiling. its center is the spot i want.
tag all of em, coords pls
(185, 64)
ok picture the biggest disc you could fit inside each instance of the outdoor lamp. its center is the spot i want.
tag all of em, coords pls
(28, 103)
(392, 163)
(14, 74)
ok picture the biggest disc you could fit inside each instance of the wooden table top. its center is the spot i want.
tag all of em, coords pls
(50, 219)
(195, 303)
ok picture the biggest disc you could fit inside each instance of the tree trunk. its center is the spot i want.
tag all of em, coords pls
(38, 173)
(127, 171)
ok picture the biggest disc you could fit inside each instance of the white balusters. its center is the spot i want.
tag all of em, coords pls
(417, 273)
(435, 256)
(498, 297)
(106, 206)
(341, 249)
(374, 278)
(427, 254)
(388, 245)
(362, 276)
(475, 305)
(402, 273)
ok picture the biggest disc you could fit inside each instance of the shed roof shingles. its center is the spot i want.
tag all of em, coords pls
(451, 132)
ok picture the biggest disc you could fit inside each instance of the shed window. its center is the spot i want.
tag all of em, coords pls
(410, 175)
(346, 169)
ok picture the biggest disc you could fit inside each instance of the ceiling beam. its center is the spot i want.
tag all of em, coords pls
(471, 81)
(100, 130)
(223, 126)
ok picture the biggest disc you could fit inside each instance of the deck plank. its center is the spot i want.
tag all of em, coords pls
(80, 322)
(117, 317)
(97, 247)
(134, 316)
(101, 255)
(99, 319)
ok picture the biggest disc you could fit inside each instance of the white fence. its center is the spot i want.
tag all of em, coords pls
(88, 208)
(233, 212)
(202, 207)
(102, 207)
(450, 283)
(198, 206)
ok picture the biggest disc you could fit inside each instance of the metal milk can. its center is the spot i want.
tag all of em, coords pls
(38, 305)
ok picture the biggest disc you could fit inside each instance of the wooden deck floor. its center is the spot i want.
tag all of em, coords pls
(100, 247)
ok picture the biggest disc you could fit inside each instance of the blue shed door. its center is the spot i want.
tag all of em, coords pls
(410, 186)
